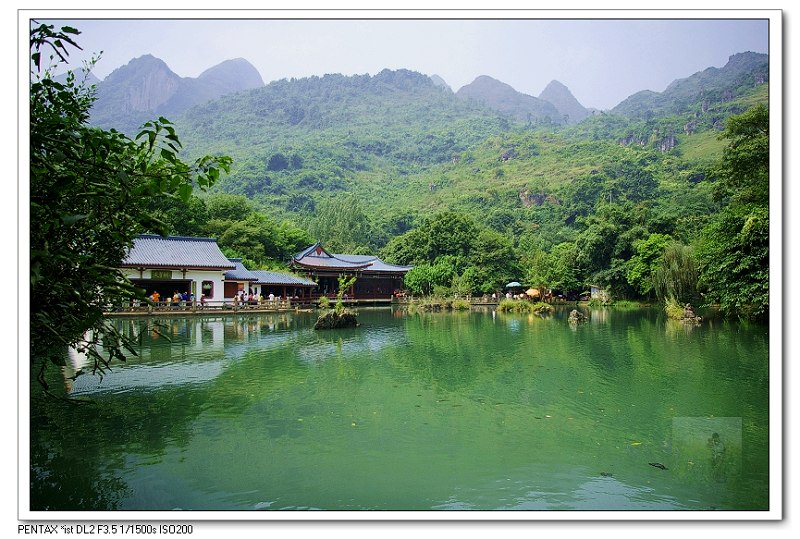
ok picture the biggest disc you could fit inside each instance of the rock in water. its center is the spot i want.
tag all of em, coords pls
(334, 320)
(576, 317)
(689, 316)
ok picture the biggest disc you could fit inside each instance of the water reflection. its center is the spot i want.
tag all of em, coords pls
(558, 488)
(478, 410)
(599, 316)
(177, 351)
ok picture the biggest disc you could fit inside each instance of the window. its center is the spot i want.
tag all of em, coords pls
(208, 289)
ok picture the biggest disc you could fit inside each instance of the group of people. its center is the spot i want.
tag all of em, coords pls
(509, 295)
(251, 297)
(177, 298)
(186, 298)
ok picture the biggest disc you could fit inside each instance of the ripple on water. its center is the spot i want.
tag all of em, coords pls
(445, 412)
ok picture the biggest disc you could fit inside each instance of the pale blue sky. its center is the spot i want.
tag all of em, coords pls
(601, 61)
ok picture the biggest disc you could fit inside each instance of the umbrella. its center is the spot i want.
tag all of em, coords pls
(515, 284)
(532, 292)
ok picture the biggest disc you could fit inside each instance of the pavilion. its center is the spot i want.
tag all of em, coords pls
(376, 279)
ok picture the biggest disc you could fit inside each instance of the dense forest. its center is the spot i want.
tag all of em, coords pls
(663, 197)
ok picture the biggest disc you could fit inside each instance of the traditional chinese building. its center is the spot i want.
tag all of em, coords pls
(375, 278)
(177, 264)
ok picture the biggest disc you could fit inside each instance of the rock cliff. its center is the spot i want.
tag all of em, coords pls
(146, 88)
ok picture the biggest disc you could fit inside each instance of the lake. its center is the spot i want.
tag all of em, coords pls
(414, 411)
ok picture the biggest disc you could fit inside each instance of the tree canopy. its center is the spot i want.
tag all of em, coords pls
(92, 191)
(734, 249)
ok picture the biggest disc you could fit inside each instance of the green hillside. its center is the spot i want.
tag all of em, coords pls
(370, 164)
(711, 86)
(405, 145)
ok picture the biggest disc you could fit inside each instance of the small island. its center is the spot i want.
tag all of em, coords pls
(338, 317)
(576, 317)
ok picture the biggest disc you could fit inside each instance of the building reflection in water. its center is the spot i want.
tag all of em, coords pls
(194, 348)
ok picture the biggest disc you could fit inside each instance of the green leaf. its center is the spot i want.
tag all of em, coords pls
(168, 155)
(185, 192)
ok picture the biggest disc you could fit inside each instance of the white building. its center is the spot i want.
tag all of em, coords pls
(177, 264)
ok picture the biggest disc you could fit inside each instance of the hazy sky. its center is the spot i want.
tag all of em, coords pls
(601, 61)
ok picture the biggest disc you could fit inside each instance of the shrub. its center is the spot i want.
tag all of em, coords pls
(523, 306)
(542, 308)
(673, 309)
(460, 304)
(626, 304)
(507, 305)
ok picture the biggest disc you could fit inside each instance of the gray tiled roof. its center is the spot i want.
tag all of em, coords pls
(324, 260)
(275, 277)
(317, 257)
(329, 262)
(153, 251)
(240, 273)
(375, 263)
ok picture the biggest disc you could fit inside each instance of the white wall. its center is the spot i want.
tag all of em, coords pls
(198, 276)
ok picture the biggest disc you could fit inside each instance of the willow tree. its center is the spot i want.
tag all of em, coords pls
(343, 226)
(90, 194)
(675, 277)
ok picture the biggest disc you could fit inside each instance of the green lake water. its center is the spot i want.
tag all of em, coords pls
(444, 411)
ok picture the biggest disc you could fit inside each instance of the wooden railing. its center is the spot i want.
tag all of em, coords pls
(209, 305)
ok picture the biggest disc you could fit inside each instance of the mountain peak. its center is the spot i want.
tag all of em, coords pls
(439, 81)
(403, 79)
(504, 98)
(699, 91)
(137, 67)
(555, 85)
(486, 80)
(235, 73)
(146, 87)
(746, 61)
(141, 85)
(563, 100)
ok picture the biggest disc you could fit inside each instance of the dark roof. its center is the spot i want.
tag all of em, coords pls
(316, 257)
(240, 273)
(153, 251)
(375, 263)
(276, 277)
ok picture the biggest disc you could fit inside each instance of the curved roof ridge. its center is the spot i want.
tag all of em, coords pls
(321, 264)
(308, 250)
(339, 257)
